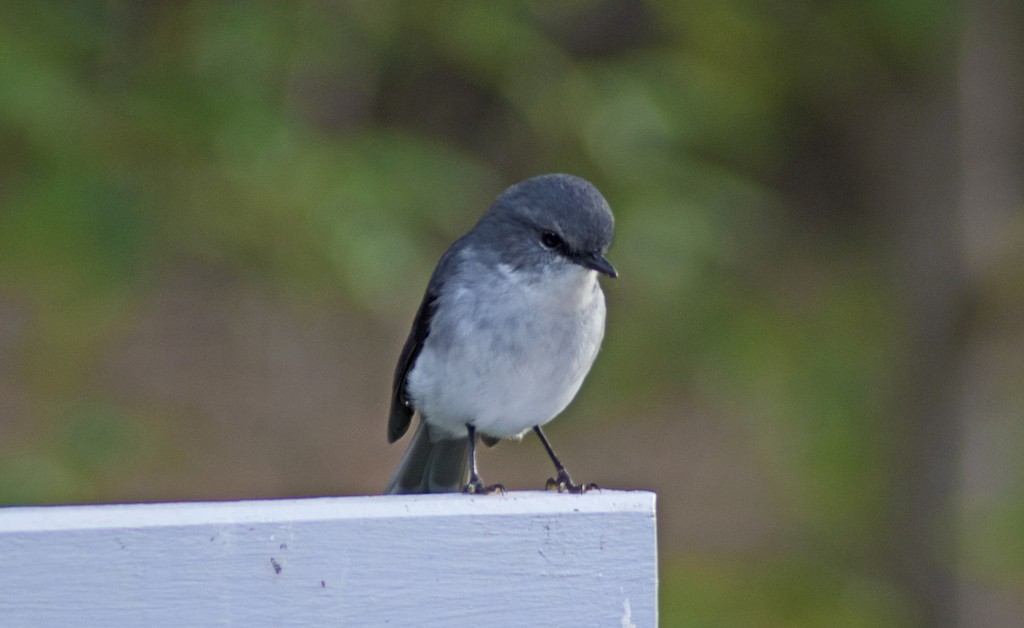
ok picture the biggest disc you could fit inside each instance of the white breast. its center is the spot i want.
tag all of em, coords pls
(511, 353)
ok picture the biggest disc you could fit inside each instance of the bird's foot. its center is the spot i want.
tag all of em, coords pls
(564, 484)
(476, 487)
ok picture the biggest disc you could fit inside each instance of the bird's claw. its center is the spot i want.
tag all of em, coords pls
(476, 487)
(564, 484)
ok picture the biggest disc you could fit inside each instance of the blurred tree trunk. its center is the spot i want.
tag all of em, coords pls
(948, 180)
(992, 100)
(912, 138)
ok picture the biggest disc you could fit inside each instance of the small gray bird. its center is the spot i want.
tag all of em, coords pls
(510, 323)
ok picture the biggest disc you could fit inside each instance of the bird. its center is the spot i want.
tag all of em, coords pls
(511, 321)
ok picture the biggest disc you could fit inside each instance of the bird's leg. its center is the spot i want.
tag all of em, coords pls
(475, 486)
(561, 482)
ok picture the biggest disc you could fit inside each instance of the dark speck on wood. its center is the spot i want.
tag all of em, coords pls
(277, 566)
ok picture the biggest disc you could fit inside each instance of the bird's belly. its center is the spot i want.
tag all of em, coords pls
(508, 373)
(513, 398)
(499, 395)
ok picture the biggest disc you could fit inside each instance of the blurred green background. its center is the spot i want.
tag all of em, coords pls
(217, 220)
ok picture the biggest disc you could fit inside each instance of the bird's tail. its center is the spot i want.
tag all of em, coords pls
(431, 466)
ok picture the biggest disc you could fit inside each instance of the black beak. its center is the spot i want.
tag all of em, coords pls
(596, 261)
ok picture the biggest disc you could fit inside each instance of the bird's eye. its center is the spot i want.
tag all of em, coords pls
(551, 240)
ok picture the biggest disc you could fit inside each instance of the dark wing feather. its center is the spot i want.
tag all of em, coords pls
(401, 406)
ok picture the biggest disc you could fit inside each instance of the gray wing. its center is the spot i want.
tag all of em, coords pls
(401, 406)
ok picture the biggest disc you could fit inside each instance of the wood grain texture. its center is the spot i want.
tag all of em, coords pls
(521, 559)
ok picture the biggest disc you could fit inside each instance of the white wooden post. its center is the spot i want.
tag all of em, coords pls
(520, 559)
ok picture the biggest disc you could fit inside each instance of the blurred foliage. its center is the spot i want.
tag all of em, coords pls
(332, 150)
(777, 591)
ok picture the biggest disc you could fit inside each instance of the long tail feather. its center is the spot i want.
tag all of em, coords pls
(431, 466)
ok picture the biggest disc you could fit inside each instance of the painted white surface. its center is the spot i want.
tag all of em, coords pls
(521, 559)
